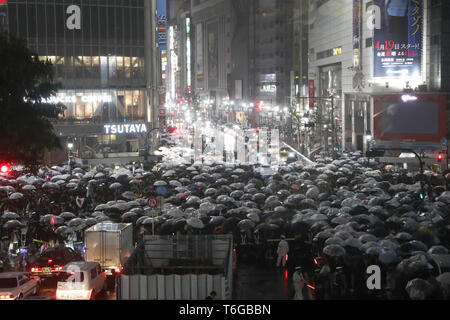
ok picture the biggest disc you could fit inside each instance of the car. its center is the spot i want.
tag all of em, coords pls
(18, 285)
(81, 281)
(51, 262)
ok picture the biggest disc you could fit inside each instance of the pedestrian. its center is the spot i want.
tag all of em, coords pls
(212, 296)
(282, 251)
(299, 283)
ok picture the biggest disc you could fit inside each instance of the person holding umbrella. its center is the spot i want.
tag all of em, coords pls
(299, 283)
(282, 251)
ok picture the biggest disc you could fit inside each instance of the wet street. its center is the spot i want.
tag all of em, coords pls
(262, 282)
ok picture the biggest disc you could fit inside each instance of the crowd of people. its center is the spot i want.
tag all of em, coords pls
(327, 221)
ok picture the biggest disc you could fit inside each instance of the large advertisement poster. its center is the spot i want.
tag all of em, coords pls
(199, 52)
(356, 32)
(161, 14)
(398, 39)
(4, 15)
(416, 121)
(213, 55)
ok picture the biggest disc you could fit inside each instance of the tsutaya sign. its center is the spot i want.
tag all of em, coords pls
(125, 128)
(84, 99)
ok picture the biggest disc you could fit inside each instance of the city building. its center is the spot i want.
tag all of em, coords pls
(100, 51)
(352, 58)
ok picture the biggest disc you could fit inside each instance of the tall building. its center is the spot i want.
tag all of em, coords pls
(355, 55)
(100, 51)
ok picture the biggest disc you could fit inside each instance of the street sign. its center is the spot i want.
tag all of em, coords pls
(162, 112)
(152, 202)
(444, 143)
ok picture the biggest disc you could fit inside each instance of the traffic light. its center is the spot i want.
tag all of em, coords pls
(5, 168)
(440, 157)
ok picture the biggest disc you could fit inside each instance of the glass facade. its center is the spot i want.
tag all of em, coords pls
(107, 49)
(98, 49)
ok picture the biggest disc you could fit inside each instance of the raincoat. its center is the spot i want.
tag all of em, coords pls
(282, 251)
(299, 284)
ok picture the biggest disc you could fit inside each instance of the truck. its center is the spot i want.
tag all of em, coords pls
(109, 244)
(179, 267)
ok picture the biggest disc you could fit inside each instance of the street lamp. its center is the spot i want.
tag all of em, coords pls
(69, 146)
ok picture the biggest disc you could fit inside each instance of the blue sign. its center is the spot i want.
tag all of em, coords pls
(398, 41)
(444, 142)
(161, 24)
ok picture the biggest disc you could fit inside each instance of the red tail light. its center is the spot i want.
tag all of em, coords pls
(117, 270)
(50, 261)
(311, 287)
(36, 269)
(57, 268)
(6, 297)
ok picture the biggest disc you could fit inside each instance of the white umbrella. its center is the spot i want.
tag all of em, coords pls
(10, 215)
(29, 187)
(160, 183)
(129, 195)
(101, 207)
(195, 223)
(16, 196)
(115, 185)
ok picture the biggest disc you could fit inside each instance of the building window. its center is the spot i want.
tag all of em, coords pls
(369, 42)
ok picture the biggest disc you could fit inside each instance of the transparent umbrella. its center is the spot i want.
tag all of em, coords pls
(10, 216)
(334, 250)
(29, 187)
(195, 223)
(13, 224)
(67, 215)
(419, 289)
(115, 186)
(16, 196)
(246, 224)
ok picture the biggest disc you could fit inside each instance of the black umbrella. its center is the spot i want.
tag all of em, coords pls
(13, 224)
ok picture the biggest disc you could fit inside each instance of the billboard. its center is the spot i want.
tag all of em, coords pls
(4, 15)
(213, 55)
(161, 24)
(413, 120)
(398, 39)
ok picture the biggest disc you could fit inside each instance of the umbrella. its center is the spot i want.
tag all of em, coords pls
(90, 222)
(75, 222)
(253, 216)
(63, 230)
(29, 187)
(50, 185)
(246, 224)
(129, 195)
(388, 257)
(438, 250)
(115, 186)
(376, 251)
(162, 191)
(334, 250)
(195, 223)
(13, 224)
(67, 215)
(160, 183)
(52, 219)
(444, 280)
(101, 207)
(129, 216)
(419, 289)
(353, 243)
(10, 215)
(16, 196)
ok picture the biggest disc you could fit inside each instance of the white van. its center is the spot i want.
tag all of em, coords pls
(81, 281)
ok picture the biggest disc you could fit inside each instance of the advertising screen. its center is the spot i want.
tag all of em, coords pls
(398, 39)
(410, 117)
